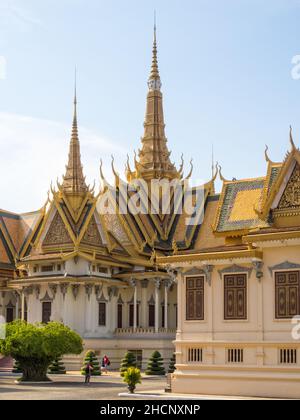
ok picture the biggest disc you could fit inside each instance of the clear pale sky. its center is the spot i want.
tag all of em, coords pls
(226, 74)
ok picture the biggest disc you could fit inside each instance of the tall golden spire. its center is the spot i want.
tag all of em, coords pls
(73, 180)
(154, 157)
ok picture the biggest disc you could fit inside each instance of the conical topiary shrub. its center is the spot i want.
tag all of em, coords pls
(155, 365)
(17, 367)
(128, 361)
(57, 367)
(172, 367)
(90, 357)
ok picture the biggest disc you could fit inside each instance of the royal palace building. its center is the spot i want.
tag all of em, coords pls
(218, 284)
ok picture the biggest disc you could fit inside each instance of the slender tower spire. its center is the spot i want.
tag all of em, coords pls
(154, 156)
(74, 181)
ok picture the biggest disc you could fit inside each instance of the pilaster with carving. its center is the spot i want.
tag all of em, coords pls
(53, 289)
(208, 269)
(75, 290)
(64, 289)
(89, 290)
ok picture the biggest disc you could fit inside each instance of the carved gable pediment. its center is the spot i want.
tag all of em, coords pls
(57, 233)
(285, 209)
(92, 234)
(291, 196)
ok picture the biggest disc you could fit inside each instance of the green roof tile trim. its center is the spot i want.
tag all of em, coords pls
(231, 192)
(274, 173)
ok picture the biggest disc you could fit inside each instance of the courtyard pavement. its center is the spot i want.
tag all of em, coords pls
(71, 387)
(105, 387)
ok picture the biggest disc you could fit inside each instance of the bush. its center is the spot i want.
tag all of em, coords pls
(57, 367)
(128, 361)
(172, 367)
(155, 365)
(90, 357)
(35, 346)
(132, 376)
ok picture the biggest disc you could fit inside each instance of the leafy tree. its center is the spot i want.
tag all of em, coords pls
(132, 376)
(90, 357)
(155, 365)
(172, 367)
(128, 361)
(35, 346)
(57, 367)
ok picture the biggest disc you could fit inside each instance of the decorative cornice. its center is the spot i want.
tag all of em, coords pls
(193, 271)
(151, 301)
(157, 283)
(208, 269)
(53, 288)
(284, 266)
(144, 283)
(64, 289)
(167, 284)
(98, 290)
(102, 298)
(46, 298)
(132, 283)
(112, 292)
(89, 289)
(28, 290)
(120, 300)
(258, 267)
(75, 290)
(37, 290)
(235, 269)
(10, 305)
(131, 301)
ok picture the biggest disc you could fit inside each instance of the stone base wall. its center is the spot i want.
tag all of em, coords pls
(252, 382)
(115, 349)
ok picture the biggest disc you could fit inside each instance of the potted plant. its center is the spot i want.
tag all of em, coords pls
(91, 358)
(132, 376)
(128, 361)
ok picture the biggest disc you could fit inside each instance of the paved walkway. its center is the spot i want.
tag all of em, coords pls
(71, 387)
(105, 387)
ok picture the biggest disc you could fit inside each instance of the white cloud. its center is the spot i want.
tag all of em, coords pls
(14, 12)
(34, 152)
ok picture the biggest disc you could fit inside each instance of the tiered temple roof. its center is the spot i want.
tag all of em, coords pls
(71, 225)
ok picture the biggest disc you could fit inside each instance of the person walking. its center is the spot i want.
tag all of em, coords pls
(105, 363)
(88, 373)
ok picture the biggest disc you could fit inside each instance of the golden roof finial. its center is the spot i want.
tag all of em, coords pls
(154, 75)
(153, 161)
(73, 180)
(212, 161)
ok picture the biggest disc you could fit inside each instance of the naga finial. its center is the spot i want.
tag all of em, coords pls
(191, 170)
(291, 139)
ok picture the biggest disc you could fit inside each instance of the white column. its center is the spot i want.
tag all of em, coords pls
(22, 306)
(2, 309)
(144, 305)
(157, 286)
(167, 285)
(180, 303)
(135, 306)
(88, 308)
(17, 306)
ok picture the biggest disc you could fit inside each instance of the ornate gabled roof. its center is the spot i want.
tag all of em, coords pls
(19, 230)
(277, 180)
(236, 211)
